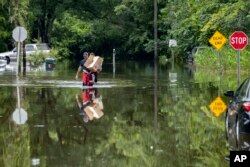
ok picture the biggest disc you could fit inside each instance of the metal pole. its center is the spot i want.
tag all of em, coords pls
(17, 71)
(238, 68)
(172, 60)
(113, 61)
(155, 99)
(220, 73)
(155, 73)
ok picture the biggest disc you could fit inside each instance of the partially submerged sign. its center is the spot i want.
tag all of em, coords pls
(217, 106)
(218, 40)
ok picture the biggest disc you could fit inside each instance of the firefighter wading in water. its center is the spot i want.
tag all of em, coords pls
(88, 77)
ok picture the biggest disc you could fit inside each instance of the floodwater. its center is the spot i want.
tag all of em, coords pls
(142, 120)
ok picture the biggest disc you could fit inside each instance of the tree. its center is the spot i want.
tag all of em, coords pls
(4, 28)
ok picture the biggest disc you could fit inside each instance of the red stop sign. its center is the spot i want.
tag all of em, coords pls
(238, 40)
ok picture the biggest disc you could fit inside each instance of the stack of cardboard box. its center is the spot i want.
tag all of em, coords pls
(94, 63)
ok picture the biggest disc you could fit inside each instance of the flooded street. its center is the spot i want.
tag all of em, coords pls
(180, 131)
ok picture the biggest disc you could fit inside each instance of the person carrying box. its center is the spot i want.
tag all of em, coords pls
(86, 73)
(90, 67)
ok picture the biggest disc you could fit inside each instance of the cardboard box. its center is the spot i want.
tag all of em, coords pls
(94, 63)
(94, 111)
(89, 60)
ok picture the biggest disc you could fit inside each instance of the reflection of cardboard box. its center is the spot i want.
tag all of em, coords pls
(94, 63)
(98, 101)
(94, 111)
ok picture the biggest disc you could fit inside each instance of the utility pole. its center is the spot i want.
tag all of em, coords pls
(114, 62)
(155, 73)
(155, 30)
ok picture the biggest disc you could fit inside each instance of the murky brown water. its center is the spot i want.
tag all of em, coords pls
(126, 132)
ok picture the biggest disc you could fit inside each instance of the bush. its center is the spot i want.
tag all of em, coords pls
(39, 58)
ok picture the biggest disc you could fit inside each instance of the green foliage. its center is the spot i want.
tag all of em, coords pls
(163, 60)
(4, 28)
(39, 58)
(75, 26)
(192, 23)
(70, 32)
(137, 21)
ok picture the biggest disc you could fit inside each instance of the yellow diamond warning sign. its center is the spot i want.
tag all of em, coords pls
(217, 106)
(218, 40)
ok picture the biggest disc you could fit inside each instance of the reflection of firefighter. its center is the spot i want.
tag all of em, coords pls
(91, 106)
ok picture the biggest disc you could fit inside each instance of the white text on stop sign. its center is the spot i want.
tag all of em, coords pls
(238, 40)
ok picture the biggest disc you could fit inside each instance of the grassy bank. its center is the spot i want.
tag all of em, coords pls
(207, 67)
(208, 59)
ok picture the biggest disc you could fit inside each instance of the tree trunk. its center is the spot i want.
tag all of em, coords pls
(43, 19)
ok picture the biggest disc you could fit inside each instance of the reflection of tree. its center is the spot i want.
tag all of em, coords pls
(53, 129)
(187, 134)
(193, 126)
(16, 150)
(7, 103)
(50, 110)
(13, 139)
(130, 143)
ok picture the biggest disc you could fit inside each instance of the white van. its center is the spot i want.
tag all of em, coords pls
(35, 48)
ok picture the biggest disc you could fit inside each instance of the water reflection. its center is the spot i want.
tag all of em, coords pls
(155, 101)
(90, 104)
(238, 142)
(148, 123)
(237, 136)
(19, 116)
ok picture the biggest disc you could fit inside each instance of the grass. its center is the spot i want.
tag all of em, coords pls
(208, 59)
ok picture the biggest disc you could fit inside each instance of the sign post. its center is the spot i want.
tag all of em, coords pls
(172, 43)
(172, 76)
(19, 34)
(114, 63)
(218, 40)
(238, 41)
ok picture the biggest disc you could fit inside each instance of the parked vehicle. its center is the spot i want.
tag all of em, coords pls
(31, 49)
(238, 116)
(3, 63)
